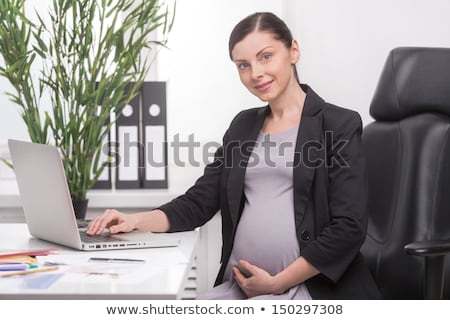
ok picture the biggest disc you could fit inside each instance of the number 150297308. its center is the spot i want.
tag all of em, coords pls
(307, 309)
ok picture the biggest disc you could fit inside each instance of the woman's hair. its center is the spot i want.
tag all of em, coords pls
(261, 21)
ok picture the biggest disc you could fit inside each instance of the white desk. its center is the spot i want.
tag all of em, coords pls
(131, 201)
(165, 275)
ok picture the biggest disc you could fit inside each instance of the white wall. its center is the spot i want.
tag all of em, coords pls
(345, 43)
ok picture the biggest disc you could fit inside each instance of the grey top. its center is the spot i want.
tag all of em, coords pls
(266, 234)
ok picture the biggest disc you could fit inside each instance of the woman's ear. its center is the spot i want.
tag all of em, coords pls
(295, 52)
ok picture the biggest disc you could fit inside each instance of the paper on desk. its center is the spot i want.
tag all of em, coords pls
(160, 258)
(113, 270)
(80, 275)
(31, 281)
(43, 281)
(77, 275)
(64, 259)
(80, 264)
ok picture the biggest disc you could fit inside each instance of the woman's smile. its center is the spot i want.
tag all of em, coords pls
(263, 87)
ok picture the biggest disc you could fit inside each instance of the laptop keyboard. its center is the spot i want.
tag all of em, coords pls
(98, 238)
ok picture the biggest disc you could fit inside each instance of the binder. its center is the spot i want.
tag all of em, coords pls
(128, 146)
(154, 131)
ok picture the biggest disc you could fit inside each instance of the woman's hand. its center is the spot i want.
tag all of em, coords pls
(112, 219)
(259, 281)
(256, 281)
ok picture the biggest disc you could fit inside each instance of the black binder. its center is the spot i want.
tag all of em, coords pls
(154, 133)
(128, 146)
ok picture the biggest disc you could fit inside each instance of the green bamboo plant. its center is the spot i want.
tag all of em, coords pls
(87, 72)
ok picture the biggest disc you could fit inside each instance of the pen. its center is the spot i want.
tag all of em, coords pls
(97, 259)
(10, 274)
(13, 266)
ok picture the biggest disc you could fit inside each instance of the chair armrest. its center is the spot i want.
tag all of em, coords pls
(434, 252)
(428, 248)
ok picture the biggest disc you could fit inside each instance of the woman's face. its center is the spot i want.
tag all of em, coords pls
(265, 64)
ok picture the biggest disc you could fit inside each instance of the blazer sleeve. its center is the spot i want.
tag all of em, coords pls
(201, 201)
(344, 229)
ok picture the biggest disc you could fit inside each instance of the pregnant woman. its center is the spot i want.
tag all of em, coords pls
(289, 181)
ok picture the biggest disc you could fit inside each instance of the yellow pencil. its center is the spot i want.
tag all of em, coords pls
(17, 273)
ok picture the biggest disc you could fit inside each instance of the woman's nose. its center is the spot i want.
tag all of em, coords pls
(257, 71)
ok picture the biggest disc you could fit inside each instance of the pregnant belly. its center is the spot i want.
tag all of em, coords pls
(266, 239)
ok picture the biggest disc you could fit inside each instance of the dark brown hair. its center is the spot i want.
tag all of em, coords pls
(261, 21)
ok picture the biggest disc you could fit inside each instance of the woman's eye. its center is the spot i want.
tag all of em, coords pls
(243, 66)
(266, 56)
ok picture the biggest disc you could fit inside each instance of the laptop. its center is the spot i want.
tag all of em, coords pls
(48, 208)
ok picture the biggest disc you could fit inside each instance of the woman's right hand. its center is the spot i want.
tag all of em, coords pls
(113, 220)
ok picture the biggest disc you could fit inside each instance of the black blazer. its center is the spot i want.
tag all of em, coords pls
(330, 191)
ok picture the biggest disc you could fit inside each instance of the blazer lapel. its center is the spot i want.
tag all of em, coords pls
(240, 156)
(309, 144)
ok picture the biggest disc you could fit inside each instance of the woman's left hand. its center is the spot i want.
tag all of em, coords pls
(257, 281)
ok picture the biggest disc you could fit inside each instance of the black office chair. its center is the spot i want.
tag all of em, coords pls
(407, 151)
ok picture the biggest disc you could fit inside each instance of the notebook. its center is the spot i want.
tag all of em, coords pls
(48, 208)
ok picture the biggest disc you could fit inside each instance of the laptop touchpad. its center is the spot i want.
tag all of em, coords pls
(134, 236)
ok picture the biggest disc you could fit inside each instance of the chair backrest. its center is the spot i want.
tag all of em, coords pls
(407, 151)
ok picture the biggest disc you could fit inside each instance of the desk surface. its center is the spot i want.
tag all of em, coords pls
(163, 276)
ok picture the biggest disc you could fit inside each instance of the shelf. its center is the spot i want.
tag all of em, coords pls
(140, 198)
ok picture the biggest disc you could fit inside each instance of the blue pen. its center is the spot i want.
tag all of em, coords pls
(13, 266)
